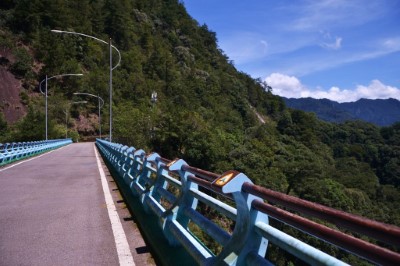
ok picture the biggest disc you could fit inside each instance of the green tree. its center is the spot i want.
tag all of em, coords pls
(23, 62)
(31, 127)
(3, 128)
(131, 126)
(327, 192)
(354, 174)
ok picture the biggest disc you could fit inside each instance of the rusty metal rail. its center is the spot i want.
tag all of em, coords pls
(386, 233)
(354, 245)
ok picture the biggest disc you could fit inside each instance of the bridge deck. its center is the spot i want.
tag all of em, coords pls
(53, 212)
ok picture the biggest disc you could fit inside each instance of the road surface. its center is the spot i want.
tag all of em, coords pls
(53, 211)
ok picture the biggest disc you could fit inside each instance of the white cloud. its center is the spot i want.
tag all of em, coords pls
(378, 90)
(291, 87)
(337, 44)
(283, 85)
(265, 46)
(301, 66)
(392, 44)
(314, 15)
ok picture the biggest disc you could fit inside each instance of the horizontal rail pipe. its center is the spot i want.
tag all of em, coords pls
(386, 233)
(175, 194)
(354, 245)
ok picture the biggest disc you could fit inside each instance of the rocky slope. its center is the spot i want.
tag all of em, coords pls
(10, 88)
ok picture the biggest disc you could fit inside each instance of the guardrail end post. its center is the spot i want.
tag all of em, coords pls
(244, 238)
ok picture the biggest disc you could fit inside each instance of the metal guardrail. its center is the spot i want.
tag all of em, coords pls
(174, 192)
(10, 152)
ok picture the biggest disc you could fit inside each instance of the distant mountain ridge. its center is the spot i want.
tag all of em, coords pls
(379, 112)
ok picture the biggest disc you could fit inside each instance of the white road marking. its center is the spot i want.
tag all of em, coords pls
(35, 157)
(123, 250)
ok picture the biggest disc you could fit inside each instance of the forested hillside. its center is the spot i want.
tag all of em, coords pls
(205, 112)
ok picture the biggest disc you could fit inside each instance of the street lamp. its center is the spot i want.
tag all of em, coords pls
(66, 116)
(45, 93)
(111, 67)
(100, 101)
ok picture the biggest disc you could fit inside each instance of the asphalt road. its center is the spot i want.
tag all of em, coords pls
(53, 211)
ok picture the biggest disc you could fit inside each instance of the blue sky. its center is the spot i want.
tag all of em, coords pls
(342, 50)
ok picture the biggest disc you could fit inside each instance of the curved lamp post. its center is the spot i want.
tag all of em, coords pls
(66, 116)
(111, 67)
(100, 101)
(45, 93)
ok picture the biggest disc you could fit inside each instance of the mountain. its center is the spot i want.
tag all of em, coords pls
(207, 112)
(201, 95)
(379, 112)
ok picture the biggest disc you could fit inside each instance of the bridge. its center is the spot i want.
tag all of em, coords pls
(103, 203)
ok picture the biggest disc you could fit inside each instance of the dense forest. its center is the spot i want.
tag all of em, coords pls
(207, 112)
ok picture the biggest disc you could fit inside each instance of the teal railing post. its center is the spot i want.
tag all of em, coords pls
(159, 181)
(147, 179)
(134, 171)
(128, 162)
(244, 239)
(176, 213)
